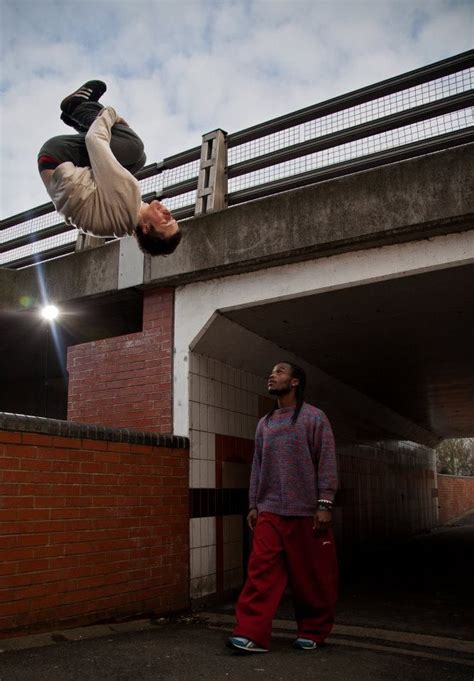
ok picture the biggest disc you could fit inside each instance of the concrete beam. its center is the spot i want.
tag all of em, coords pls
(86, 273)
(413, 199)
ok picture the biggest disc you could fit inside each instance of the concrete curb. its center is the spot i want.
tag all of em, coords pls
(339, 630)
(78, 634)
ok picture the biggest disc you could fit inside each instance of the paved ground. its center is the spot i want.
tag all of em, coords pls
(405, 614)
(189, 652)
(424, 585)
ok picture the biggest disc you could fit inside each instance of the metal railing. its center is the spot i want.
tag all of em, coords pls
(423, 111)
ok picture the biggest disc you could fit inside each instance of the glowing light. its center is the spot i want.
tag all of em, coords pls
(50, 312)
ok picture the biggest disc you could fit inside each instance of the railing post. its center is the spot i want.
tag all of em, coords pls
(212, 181)
(85, 241)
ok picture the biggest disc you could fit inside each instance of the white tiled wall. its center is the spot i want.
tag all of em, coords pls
(203, 556)
(223, 400)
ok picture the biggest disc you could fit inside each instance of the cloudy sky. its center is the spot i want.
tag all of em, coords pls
(177, 69)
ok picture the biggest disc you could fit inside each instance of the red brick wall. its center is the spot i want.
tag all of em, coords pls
(456, 496)
(90, 530)
(126, 381)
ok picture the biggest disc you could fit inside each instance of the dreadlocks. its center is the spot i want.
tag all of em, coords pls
(299, 373)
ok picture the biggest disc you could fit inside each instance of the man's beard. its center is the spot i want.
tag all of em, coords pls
(279, 392)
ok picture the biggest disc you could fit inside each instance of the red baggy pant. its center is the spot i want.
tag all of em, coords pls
(288, 549)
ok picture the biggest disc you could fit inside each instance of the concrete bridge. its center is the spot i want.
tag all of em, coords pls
(366, 280)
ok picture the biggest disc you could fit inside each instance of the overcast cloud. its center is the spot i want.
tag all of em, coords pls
(178, 69)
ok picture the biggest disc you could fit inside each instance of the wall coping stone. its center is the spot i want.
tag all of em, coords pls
(38, 424)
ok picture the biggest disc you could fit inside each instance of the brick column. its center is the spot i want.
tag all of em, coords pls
(126, 381)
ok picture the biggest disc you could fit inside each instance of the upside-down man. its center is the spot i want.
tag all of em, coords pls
(89, 176)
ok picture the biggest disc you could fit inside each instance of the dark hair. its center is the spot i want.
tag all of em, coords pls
(154, 244)
(299, 373)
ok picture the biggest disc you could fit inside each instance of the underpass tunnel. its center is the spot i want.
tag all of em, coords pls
(389, 362)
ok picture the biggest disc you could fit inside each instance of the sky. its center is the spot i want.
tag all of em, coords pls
(178, 69)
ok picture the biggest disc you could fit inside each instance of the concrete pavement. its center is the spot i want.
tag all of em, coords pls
(181, 651)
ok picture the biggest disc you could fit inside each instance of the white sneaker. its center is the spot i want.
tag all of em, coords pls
(245, 645)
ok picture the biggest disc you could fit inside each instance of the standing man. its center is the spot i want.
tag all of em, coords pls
(292, 488)
(90, 176)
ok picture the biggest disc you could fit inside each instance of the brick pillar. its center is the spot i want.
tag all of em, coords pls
(126, 381)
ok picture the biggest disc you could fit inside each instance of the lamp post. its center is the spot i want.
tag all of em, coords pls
(50, 313)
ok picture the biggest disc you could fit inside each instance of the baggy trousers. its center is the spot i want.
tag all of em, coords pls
(125, 144)
(287, 549)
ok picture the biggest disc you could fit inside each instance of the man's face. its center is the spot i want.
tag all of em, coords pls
(161, 220)
(280, 381)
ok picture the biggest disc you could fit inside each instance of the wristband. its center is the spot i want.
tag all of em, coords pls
(324, 505)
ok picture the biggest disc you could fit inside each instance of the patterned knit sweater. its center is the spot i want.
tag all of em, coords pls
(293, 466)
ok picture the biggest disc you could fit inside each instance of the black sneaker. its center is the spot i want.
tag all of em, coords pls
(91, 91)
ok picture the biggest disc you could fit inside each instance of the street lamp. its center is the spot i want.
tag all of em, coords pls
(50, 313)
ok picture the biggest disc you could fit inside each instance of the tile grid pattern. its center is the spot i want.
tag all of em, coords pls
(223, 402)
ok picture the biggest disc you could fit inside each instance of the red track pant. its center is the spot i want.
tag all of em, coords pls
(288, 549)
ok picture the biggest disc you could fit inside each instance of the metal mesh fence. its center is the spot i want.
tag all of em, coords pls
(39, 246)
(168, 177)
(356, 149)
(425, 93)
(30, 226)
(181, 201)
(34, 226)
(181, 173)
(151, 184)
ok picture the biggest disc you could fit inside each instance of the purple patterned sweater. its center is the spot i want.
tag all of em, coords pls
(293, 466)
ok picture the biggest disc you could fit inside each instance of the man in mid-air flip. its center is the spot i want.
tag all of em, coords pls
(89, 176)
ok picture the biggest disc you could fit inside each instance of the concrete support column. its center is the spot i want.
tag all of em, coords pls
(212, 182)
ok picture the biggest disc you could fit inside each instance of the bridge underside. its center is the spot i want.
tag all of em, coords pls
(406, 342)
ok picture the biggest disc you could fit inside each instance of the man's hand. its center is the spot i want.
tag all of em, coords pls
(252, 518)
(322, 520)
(119, 119)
